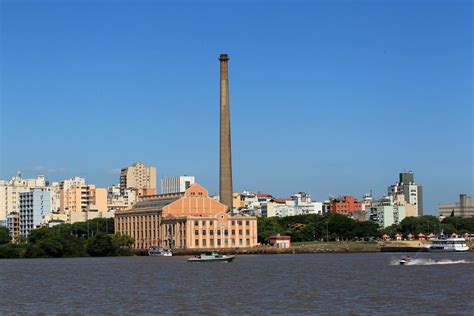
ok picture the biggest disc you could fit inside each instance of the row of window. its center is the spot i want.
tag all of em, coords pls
(211, 223)
(219, 232)
(219, 242)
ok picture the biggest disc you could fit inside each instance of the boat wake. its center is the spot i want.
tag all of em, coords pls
(429, 262)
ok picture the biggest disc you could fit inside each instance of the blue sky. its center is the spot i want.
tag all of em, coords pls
(328, 97)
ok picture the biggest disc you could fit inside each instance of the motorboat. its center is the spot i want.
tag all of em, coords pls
(405, 260)
(158, 251)
(213, 256)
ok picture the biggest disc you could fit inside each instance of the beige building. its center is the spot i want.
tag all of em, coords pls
(10, 193)
(464, 208)
(80, 198)
(138, 176)
(187, 220)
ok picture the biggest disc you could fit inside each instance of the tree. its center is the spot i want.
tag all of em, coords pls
(4, 235)
(100, 245)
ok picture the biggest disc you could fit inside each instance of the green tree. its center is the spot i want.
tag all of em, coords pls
(9, 251)
(100, 245)
(4, 235)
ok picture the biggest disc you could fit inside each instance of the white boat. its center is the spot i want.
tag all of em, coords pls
(405, 260)
(157, 251)
(441, 244)
(212, 257)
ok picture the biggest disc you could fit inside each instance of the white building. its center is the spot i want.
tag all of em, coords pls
(73, 182)
(385, 212)
(299, 204)
(116, 200)
(35, 207)
(412, 192)
(10, 192)
(176, 184)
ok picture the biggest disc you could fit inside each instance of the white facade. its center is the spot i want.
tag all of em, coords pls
(10, 193)
(299, 204)
(73, 182)
(35, 207)
(176, 184)
(120, 201)
(385, 212)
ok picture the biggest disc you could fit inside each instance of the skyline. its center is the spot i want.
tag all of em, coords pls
(306, 116)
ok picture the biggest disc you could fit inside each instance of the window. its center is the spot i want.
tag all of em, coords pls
(233, 242)
(240, 231)
(196, 232)
(196, 242)
(240, 242)
(233, 223)
(196, 223)
(204, 242)
(247, 241)
(226, 232)
(218, 232)
(218, 242)
(204, 233)
(233, 231)
(203, 223)
(212, 242)
(226, 242)
(211, 232)
(247, 231)
(247, 223)
(240, 223)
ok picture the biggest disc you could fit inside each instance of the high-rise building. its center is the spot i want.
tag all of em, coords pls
(35, 207)
(386, 211)
(81, 198)
(138, 176)
(345, 205)
(11, 189)
(464, 208)
(176, 184)
(412, 192)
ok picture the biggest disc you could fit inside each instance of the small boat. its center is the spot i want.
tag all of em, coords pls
(405, 260)
(157, 251)
(442, 244)
(213, 256)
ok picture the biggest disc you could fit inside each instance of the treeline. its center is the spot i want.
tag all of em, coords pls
(430, 224)
(330, 226)
(92, 238)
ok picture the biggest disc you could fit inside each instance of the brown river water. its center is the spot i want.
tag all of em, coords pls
(363, 283)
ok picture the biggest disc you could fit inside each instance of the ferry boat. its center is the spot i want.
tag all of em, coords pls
(213, 256)
(157, 251)
(441, 244)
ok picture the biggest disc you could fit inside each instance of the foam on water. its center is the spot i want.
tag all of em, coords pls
(428, 262)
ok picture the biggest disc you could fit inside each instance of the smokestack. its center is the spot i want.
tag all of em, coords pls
(225, 172)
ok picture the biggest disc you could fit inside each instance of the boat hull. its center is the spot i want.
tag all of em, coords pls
(226, 259)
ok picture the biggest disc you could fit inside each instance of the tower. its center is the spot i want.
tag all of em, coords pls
(225, 172)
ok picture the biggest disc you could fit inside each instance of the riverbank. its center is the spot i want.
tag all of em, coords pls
(322, 247)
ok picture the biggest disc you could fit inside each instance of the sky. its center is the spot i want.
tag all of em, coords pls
(326, 97)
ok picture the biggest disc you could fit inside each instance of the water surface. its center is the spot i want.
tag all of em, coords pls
(261, 284)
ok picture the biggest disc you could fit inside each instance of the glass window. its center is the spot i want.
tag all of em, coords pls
(240, 231)
(240, 242)
(196, 242)
(218, 242)
(247, 231)
(240, 223)
(204, 242)
(218, 232)
(233, 242)
(196, 223)
(196, 232)
(226, 232)
(204, 233)
(233, 231)
(247, 241)
(247, 223)
(233, 223)
(212, 242)
(211, 232)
